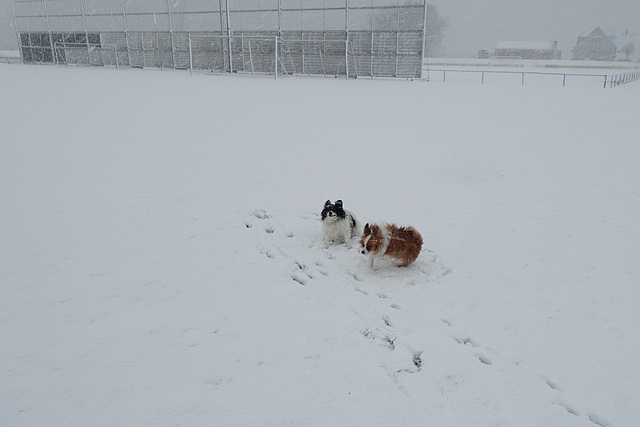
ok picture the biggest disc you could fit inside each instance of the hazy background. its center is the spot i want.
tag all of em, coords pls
(475, 25)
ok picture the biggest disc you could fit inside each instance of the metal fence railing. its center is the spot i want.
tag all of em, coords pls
(624, 78)
(605, 80)
(295, 53)
(238, 54)
(79, 54)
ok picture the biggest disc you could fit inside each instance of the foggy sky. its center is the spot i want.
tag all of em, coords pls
(475, 25)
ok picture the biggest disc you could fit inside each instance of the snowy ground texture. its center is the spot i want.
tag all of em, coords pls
(162, 263)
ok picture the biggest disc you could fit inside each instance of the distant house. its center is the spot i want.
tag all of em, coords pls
(595, 47)
(527, 50)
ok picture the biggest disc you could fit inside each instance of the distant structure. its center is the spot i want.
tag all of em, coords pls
(595, 47)
(527, 50)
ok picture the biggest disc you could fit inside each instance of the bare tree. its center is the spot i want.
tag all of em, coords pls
(434, 31)
(628, 50)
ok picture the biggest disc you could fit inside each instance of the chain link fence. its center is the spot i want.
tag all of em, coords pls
(351, 38)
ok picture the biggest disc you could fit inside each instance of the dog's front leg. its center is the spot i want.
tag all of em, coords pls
(327, 242)
(373, 265)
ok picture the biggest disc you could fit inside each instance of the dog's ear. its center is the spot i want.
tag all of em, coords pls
(367, 230)
(327, 203)
(339, 203)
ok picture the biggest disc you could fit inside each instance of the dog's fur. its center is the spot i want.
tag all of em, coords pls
(401, 243)
(338, 224)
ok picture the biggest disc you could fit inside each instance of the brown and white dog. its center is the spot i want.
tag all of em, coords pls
(388, 240)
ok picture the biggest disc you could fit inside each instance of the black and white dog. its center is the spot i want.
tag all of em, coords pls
(338, 225)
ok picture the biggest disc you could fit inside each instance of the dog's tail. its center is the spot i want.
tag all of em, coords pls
(417, 238)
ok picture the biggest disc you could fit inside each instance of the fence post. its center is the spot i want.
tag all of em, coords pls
(250, 55)
(346, 55)
(229, 42)
(190, 57)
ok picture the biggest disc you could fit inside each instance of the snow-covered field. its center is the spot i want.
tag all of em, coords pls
(161, 257)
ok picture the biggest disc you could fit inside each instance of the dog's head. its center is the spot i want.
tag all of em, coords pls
(333, 211)
(372, 239)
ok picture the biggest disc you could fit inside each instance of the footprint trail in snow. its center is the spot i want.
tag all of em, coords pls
(426, 361)
(293, 243)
